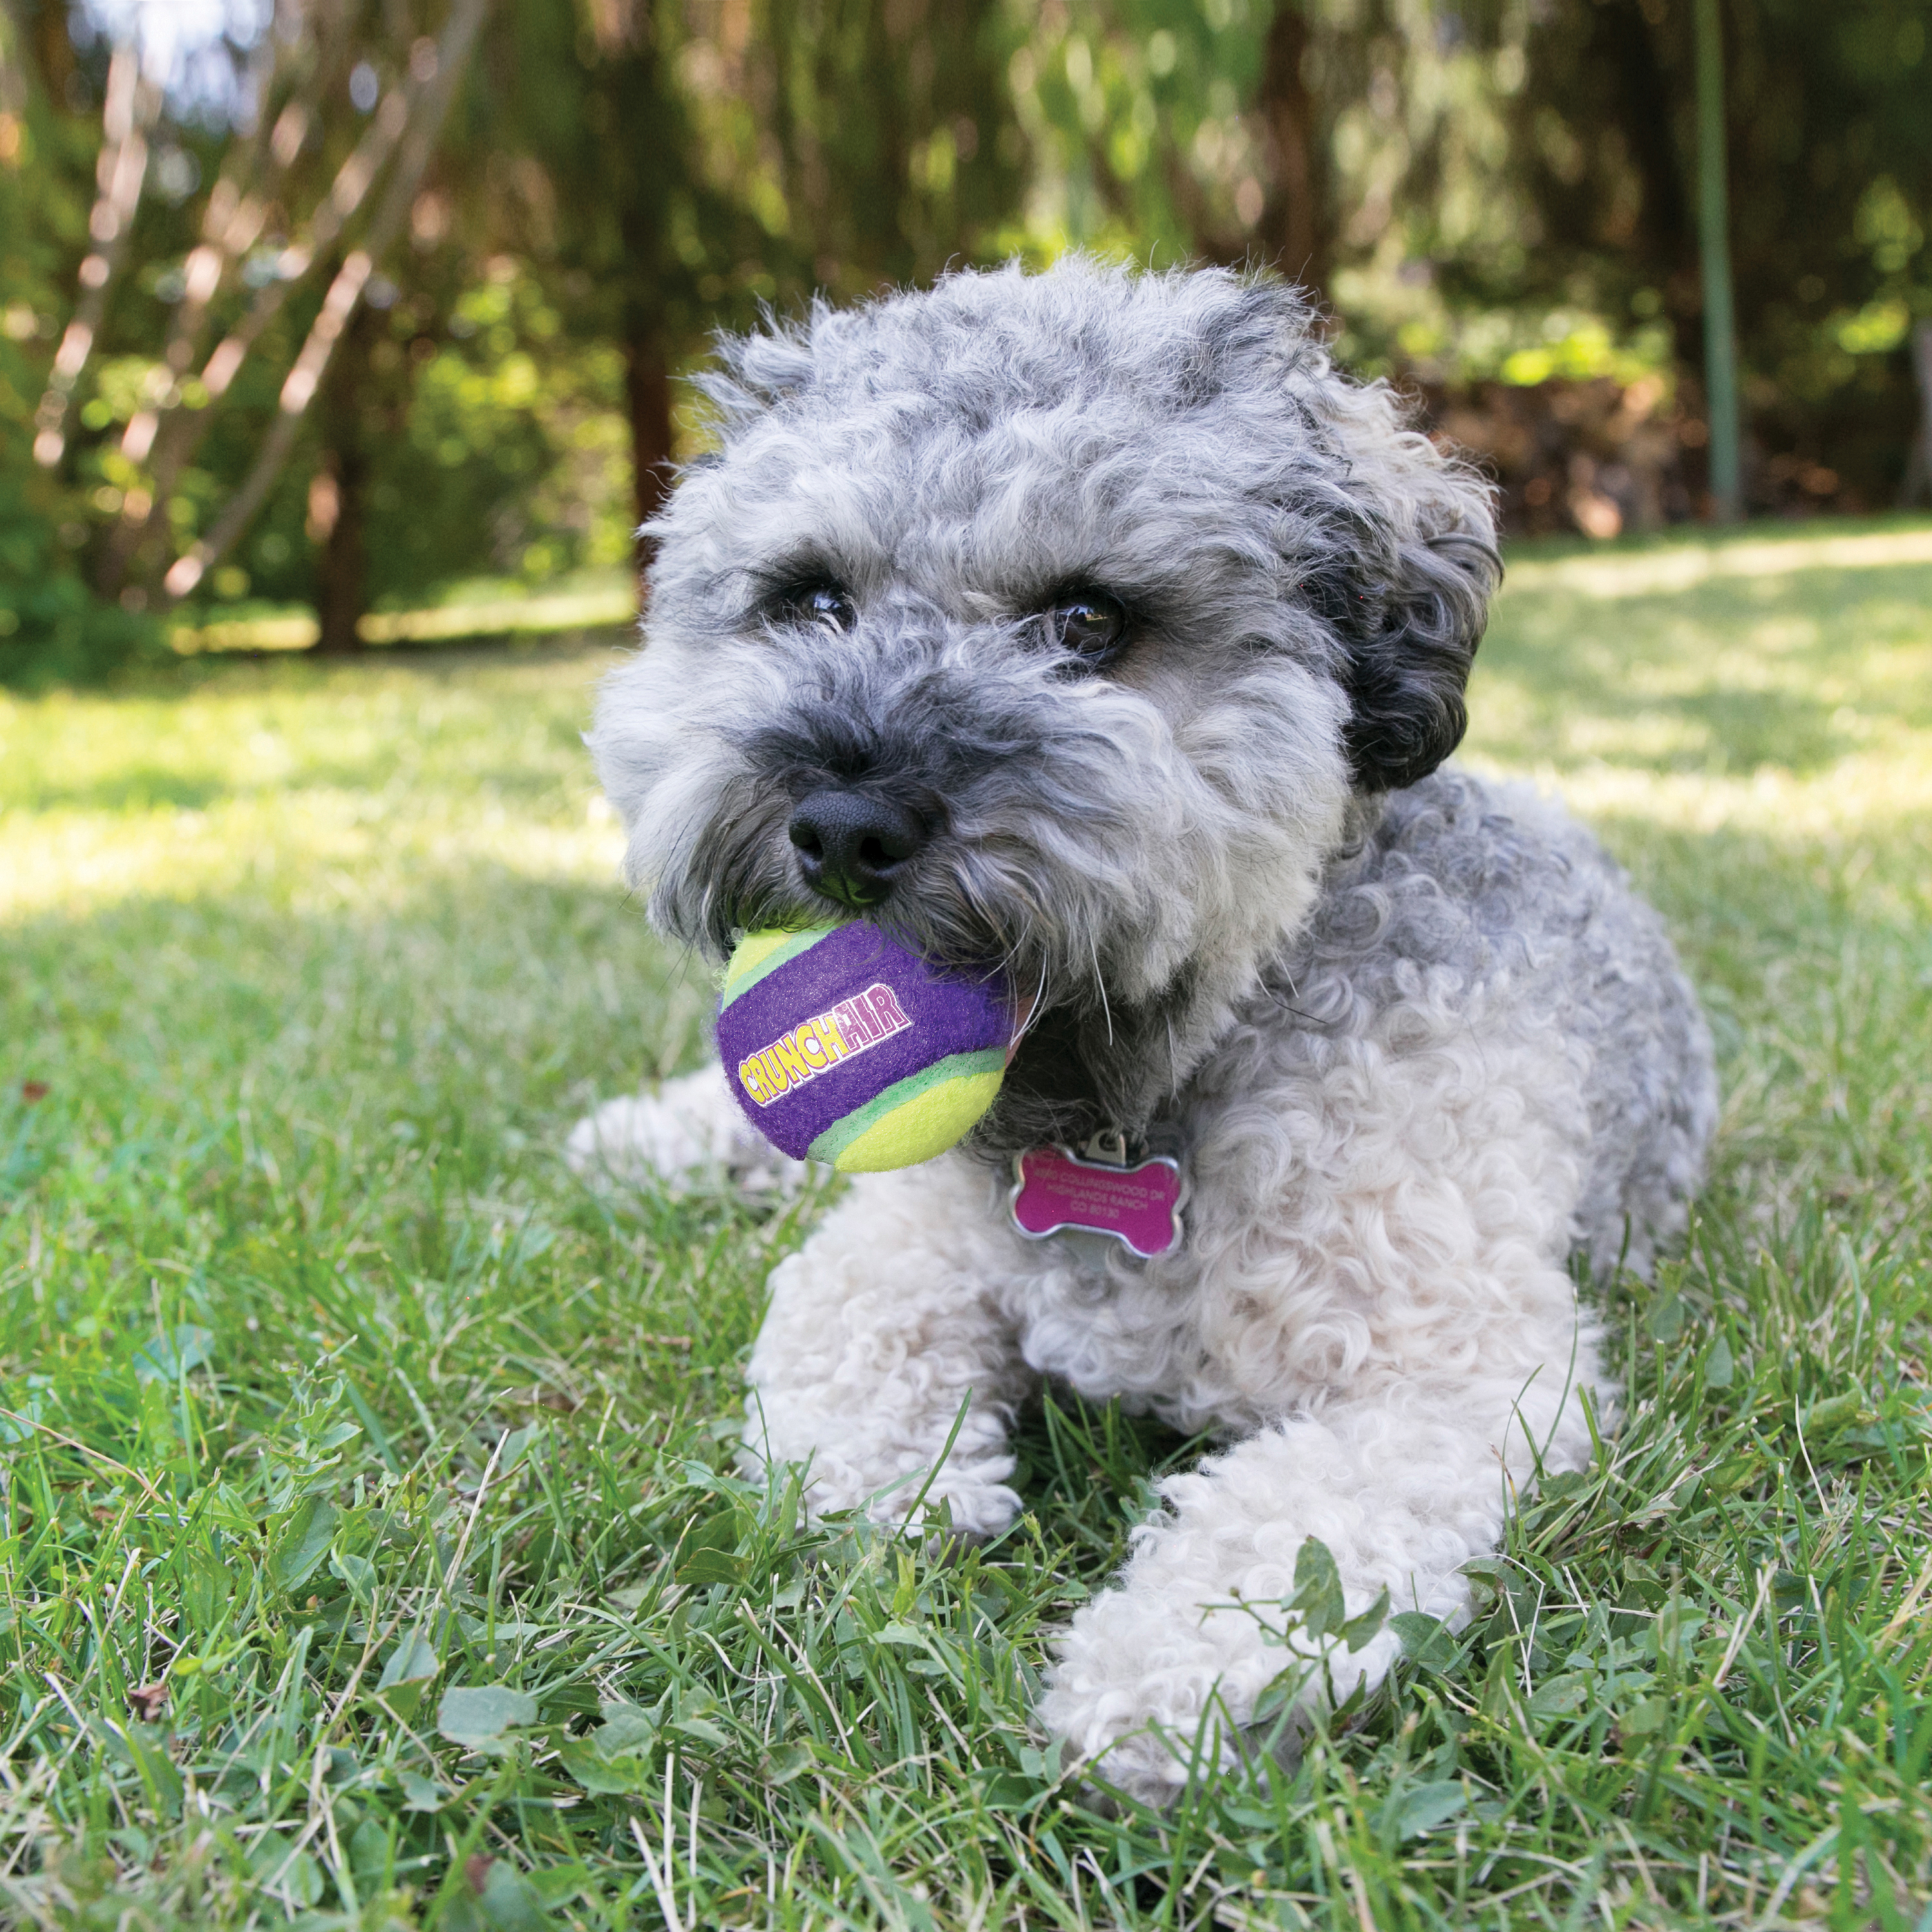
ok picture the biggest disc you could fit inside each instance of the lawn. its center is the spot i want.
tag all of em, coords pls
(371, 1552)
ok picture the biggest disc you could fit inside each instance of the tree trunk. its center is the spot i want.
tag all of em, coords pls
(1919, 461)
(342, 589)
(647, 387)
(53, 52)
(1626, 44)
(1720, 335)
(342, 574)
(1295, 222)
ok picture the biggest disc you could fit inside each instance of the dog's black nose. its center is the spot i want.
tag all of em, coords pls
(851, 848)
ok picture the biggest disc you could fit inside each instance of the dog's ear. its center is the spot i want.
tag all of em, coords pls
(1407, 664)
(1406, 585)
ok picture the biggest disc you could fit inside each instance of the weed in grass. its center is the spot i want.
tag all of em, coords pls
(370, 1550)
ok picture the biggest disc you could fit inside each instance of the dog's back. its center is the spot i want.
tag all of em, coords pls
(1500, 890)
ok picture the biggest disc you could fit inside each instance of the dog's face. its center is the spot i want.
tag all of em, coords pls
(1053, 621)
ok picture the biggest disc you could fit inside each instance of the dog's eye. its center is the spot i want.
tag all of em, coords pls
(1089, 624)
(819, 603)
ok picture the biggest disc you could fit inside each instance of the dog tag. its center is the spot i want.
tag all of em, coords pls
(1057, 1191)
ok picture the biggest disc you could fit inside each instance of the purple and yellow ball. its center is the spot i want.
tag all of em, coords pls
(841, 1046)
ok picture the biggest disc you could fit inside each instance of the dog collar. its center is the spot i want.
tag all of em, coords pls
(1100, 1190)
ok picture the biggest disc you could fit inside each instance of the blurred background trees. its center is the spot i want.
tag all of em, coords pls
(346, 303)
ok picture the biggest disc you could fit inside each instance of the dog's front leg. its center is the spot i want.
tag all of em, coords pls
(690, 1134)
(1172, 1660)
(882, 1329)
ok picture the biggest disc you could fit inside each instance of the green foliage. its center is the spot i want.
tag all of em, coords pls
(1135, 117)
(514, 435)
(607, 191)
(1830, 157)
(1508, 190)
(1492, 192)
(694, 161)
(370, 1543)
(51, 627)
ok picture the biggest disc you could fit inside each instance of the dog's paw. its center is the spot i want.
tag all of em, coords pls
(688, 1138)
(968, 1502)
(1148, 1691)
(1140, 1714)
(958, 1513)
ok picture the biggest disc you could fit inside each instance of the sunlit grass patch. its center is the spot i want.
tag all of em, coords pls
(326, 1395)
(304, 784)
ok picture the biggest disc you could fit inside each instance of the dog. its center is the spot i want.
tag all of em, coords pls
(1093, 623)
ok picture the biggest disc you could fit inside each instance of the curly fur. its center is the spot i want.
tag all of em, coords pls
(1420, 1042)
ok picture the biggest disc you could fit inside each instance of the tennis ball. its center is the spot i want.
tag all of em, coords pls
(841, 1046)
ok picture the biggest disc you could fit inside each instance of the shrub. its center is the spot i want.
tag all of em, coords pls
(53, 629)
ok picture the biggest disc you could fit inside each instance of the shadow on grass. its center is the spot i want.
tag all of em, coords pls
(1718, 732)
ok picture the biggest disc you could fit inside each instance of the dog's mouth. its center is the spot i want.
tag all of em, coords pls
(1078, 1056)
(1081, 1058)
(1024, 1007)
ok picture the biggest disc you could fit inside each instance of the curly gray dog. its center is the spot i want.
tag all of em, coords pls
(1094, 622)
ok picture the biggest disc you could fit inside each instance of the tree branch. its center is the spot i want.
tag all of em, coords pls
(424, 123)
(129, 111)
(173, 431)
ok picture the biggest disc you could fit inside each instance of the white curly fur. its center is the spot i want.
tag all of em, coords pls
(1419, 1040)
(688, 1138)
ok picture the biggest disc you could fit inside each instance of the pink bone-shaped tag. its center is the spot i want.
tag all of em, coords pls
(1139, 1205)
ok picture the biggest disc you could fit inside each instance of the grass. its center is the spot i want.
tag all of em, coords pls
(369, 1551)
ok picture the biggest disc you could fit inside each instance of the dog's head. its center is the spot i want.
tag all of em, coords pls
(1055, 620)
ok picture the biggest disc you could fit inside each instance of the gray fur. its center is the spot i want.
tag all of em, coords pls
(1496, 893)
(1416, 1037)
